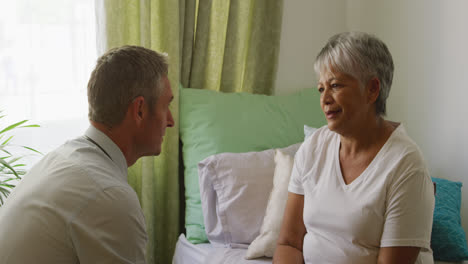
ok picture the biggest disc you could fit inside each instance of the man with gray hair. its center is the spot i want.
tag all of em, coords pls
(75, 205)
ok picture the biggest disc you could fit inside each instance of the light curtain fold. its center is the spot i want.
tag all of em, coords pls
(232, 46)
(154, 25)
(229, 46)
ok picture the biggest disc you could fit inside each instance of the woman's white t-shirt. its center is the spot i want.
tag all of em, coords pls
(390, 204)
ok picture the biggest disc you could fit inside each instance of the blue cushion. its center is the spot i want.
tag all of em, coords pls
(448, 240)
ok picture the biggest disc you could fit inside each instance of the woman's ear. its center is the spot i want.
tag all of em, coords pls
(373, 90)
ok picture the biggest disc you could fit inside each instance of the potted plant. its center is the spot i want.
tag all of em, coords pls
(11, 169)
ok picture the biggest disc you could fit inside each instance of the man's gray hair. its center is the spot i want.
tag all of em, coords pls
(121, 75)
(362, 56)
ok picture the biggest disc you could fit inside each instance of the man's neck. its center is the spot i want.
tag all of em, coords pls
(120, 138)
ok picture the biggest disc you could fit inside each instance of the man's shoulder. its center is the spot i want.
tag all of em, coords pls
(78, 166)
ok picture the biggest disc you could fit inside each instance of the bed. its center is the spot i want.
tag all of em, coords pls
(205, 253)
(237, 150)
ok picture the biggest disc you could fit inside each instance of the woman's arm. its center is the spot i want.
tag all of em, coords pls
(409, 212)
(398, 255)
(291, 238)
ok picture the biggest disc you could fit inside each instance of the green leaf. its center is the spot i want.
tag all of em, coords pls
(10, 169)
(9, 172)
(30, 126)
(6, 151)
(4, 163)
(32, 150)
(13, 126)
(5, 193)
(14, 160)
(6, 141)
(7, 185)
(11, 179)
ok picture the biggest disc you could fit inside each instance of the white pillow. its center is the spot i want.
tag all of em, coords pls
(265, 243)
(234, 190)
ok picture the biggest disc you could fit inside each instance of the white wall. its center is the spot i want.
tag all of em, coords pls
(428, 40)
(306, 27)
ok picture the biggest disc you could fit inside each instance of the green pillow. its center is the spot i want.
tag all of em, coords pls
(214, 122)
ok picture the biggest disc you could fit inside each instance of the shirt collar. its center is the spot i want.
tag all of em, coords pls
(110, 147)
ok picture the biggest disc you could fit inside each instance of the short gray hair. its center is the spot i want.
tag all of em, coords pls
(121, 75)
(362, 56)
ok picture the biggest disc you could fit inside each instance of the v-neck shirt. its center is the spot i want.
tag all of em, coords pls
(389, 204)
(337, 166)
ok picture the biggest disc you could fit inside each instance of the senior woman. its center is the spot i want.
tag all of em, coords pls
(359, 191)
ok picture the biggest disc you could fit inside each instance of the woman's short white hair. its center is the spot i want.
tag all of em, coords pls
(362, 56)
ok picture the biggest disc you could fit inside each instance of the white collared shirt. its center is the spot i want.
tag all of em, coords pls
(74, 206)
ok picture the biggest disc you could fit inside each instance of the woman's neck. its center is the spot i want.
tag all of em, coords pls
(369, 137)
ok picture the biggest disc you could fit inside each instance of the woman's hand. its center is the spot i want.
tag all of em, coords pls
(291, 238)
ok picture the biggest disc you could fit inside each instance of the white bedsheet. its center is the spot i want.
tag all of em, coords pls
(188, 253)
(233, 256)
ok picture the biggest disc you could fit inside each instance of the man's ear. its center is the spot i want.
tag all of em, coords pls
(137, 109)
(373, 90)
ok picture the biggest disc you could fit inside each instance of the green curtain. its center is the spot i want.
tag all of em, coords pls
(222, 45)
(154, 25)
(231, 46)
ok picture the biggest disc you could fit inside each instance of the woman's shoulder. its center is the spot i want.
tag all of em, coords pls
(401, 140)
(319, 136)
(401, 146)
(318, 140)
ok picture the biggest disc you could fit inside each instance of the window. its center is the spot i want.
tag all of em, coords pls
(47, 52)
